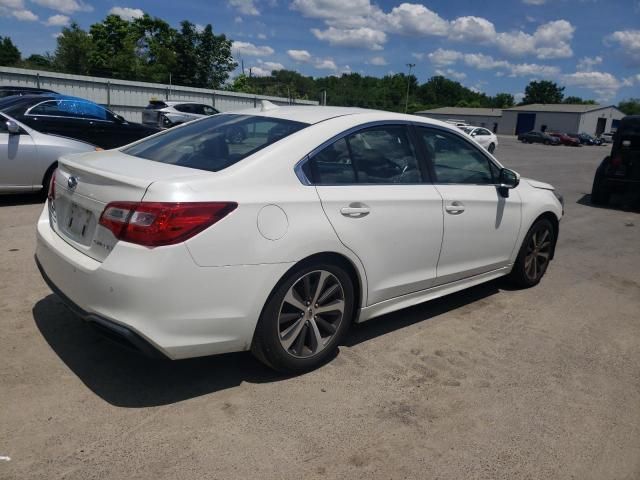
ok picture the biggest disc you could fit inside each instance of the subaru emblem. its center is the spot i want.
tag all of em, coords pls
(72, 182)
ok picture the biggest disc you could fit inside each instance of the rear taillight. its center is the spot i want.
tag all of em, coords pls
(158, 223)
(616, 162)
(51, 195)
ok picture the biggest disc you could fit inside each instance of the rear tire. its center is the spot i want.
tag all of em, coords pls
(305, 318)
(547, 142)
(599, 194)
(534, 255)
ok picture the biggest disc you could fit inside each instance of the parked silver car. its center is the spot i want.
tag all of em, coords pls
(28, 157)
(171, 113)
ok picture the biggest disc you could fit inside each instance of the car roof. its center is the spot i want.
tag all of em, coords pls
(315, 113)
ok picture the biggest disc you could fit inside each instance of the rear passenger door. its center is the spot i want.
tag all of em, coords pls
(378, 198)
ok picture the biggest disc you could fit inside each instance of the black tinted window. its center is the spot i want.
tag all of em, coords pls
(155, 105)
(186, 108)
(384, 155)
(215, 142)
(456, 160)
(332, 165)
(379, 155)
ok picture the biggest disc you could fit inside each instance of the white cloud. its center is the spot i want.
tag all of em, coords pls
(127, 13)
(378, 61)
(550, 40)
(362, 37)
(25, 15)
(264, 69)
(329, 9)
(246, 48)
(238, 20)
(302, 56)
(629, 41)
(13, 4)
(65, 6)
(57, 21)
(441, 57)
(326, 64)
(417, 56)
(262, 36)
(604, 84)
(586, 64)
(480, 61)
(534, 2)
(414, 19)
(245, 7)
(450, 73)
(472, 29)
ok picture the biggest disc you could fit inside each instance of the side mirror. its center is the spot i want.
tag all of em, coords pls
(12, 127)
(473, 134)
(119, 118)
(508, 180)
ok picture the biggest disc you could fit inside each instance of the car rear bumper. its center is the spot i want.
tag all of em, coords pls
(158, 300)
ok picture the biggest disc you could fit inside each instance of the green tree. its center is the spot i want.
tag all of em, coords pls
(41, 62)
(9, 53)
(502, 100)
(73, 51)
(186, 43)
(578, 101)
(215, 61)
(113, 49)
(630, 106)
(543, 91)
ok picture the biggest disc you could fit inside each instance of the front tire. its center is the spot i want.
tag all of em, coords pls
(534, 255)
(305, 319)
(492, 148)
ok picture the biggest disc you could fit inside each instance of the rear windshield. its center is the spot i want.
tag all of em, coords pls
(214, 143)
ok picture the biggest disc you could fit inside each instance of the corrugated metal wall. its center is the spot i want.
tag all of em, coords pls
(129, 98)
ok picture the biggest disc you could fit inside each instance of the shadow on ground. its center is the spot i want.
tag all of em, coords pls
(127, 379)
(626, 203)
(23, 199)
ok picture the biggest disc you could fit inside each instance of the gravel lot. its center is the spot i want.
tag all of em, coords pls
(487, 383)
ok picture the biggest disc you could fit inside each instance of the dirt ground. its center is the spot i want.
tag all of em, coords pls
(485, 384)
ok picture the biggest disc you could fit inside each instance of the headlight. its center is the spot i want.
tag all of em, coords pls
(559, 197)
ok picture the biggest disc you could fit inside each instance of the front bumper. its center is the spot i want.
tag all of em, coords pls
(158, 299)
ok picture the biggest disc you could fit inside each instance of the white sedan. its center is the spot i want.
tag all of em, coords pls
(484, 137)
(28, 157)
(187, 243)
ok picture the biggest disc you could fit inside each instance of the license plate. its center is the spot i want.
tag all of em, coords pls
(78, 220)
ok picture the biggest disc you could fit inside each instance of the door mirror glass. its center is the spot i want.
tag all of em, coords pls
(119, 118)
(509, 178)
(12, 127)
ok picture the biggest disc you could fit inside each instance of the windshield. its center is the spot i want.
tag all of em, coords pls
(214, 143)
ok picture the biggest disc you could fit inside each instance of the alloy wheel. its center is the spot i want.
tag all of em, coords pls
(538, 254)
(311, 313)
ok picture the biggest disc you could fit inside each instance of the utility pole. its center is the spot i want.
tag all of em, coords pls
(406, 103)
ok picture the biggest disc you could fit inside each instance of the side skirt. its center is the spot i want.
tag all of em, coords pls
(415, 298)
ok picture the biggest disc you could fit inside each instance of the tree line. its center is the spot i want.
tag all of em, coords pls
(149, 49)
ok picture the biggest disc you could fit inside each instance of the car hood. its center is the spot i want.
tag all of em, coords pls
(537, 184)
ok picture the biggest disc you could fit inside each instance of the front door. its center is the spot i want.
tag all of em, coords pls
(374, 192)
(480, 225)
(18, 159)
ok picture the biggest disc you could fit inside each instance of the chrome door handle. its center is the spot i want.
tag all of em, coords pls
(455, 208)
(355, 211)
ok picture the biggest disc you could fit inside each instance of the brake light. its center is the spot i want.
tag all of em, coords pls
(616, 162)
(51, 195)
(160, 223)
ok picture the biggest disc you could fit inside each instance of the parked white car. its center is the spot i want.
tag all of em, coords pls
(484, 137)
(171, 113)
(186, 243)
(28, 157)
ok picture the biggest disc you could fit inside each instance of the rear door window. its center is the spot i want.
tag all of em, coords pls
(216, 142)
(377, 155)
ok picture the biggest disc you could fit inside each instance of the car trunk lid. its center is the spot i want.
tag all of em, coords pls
(86, 183)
